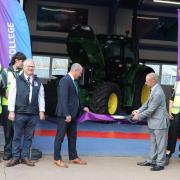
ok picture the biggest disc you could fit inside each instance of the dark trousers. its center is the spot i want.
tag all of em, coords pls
(24, 126)
(71, 130)
(8, 131)
(173, 132)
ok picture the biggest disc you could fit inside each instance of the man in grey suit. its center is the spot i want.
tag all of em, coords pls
(68, 107)
(154, 110)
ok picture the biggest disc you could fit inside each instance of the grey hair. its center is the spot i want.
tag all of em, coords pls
(153, 76)
(28, 60)
(76, 66)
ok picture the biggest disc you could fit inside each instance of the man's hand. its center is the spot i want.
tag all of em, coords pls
(41, 115)
(171, 116)
(86, 109)
(6, 94)
(135, 117)
(135, 112)
(11, 116)
(68, 119)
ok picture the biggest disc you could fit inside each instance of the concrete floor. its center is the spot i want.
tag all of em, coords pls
(98, 168)
(104, 167)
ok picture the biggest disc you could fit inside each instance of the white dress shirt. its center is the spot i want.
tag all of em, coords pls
(152, 89)
(71, 76)
(12, 95)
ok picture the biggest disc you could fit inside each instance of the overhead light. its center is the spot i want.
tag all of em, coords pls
(56, 10)
(148, 18)
(167, 2)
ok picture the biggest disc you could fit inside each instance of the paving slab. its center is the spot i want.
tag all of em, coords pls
(98, 168)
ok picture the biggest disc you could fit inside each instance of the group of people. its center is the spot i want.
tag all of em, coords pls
(23, 104)
(22, 101)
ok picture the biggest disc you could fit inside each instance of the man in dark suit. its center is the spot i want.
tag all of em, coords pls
(67, 110)
(154, 110)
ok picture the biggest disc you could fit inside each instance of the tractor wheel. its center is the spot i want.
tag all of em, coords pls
(141, 90)
(106, 98)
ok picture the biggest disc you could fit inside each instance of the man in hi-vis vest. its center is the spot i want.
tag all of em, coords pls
(2, 88)
(174, 116)
(12, 72)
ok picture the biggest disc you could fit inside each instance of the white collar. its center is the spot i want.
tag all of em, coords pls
(152, 89)
(71, 76)
(26, 76)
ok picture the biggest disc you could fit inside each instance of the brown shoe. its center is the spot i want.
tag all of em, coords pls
(78, 161)
(60, 163)
(27, 162)
(12, 162)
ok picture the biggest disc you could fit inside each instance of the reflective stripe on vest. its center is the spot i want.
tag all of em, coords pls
(176, 102)
(0, 96)
(10, 78)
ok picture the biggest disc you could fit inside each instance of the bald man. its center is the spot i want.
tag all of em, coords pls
(68, 107)
(154, 110)
(25, 104)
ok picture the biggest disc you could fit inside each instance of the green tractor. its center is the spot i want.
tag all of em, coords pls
(113, 79)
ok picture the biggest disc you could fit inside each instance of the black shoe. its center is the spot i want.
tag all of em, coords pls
(157, 168)
(7, 157)
(145, 163)
(12, 162)
(167, 160)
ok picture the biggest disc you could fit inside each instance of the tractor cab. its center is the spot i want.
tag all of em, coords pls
(113, 77)
(118, 55)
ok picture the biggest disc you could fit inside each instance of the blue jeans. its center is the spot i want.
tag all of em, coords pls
(24, 126)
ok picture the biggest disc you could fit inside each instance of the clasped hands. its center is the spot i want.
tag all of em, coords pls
(135, 115)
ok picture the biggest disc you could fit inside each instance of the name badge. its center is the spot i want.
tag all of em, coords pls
(35, 83)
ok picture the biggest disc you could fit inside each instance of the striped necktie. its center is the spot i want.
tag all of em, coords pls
(28, 81)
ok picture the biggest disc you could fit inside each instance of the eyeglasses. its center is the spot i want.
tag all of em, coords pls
(31, 66)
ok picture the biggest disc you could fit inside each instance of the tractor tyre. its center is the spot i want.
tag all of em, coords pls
(106, 98)
(141, 90)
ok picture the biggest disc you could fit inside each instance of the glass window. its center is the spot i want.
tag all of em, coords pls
(157, 27)
(155, 67)
(42, 66)
(60, 19)
(129, 55)
(60, 66)
(168, 76)
(113, 50)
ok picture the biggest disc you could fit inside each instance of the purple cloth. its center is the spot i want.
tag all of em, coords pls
(178, 64)
(90, 116)
(86, 116)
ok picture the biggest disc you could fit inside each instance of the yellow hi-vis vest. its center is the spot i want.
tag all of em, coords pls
(10, 78)
(176, 102)
(0, 83)
(0, 97)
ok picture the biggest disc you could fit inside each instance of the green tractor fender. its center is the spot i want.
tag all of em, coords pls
(136, 90)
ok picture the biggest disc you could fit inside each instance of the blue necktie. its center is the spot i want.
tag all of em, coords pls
(75, 85)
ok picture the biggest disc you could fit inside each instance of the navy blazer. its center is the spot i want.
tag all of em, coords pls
(68, 102)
